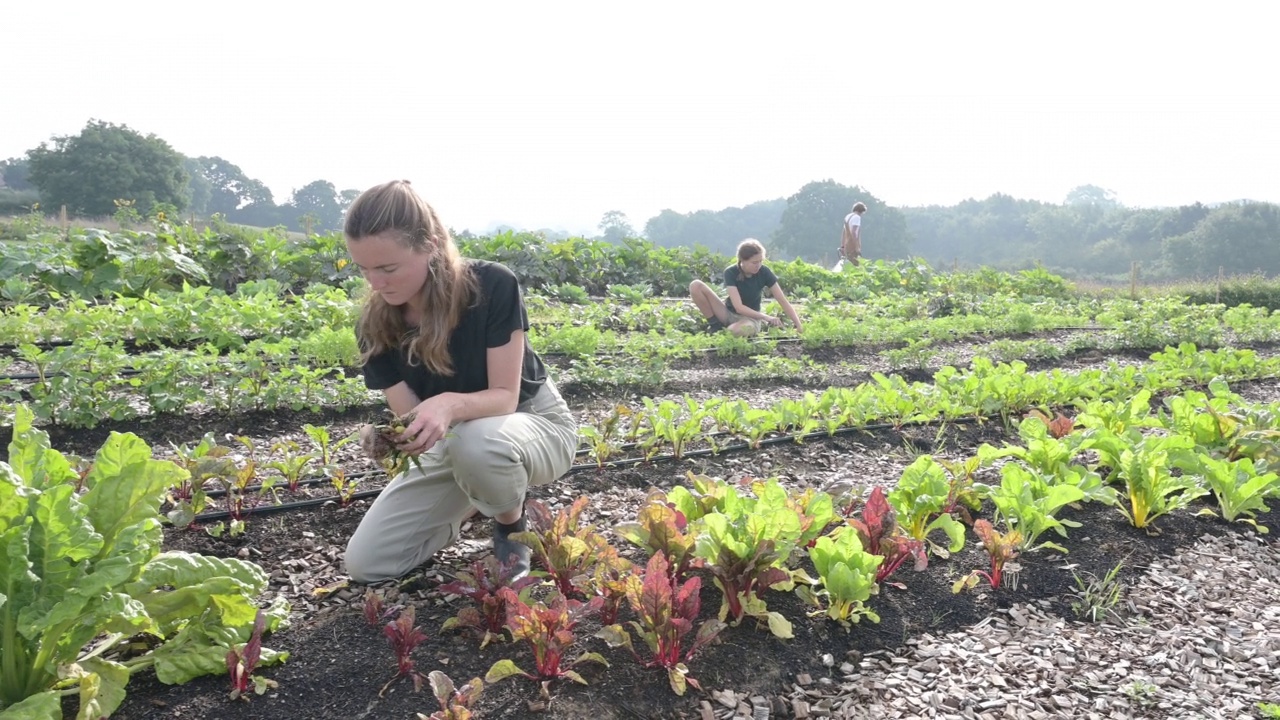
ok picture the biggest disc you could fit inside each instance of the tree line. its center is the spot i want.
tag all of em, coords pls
(1089, 235)
(93, 173)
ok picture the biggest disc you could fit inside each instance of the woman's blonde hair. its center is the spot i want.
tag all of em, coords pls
(450, 288)
(748, 249)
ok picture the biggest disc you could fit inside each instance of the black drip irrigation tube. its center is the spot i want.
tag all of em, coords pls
(593, 467)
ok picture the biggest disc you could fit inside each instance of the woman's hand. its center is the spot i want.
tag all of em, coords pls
(775, 321)
(431, 420)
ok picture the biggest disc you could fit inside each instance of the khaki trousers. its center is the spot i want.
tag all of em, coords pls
(487, 463)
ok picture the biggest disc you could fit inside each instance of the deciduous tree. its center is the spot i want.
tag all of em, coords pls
(104, 163)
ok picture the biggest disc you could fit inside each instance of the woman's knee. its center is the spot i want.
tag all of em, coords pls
(475, 448)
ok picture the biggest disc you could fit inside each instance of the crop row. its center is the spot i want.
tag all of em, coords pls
(53, 262)
(668, 429)
(834, 551)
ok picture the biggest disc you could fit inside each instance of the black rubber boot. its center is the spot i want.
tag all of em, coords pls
(513, 556)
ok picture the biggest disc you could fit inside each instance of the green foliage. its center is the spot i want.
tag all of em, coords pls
(847, 576)
(1240, 489)
(88, 172)
(1028, 502)
(1000, 547)
(746, 544)
(1144, 464)
(455, 703)
(1097, 597)
(83, 566)
(662, 529)
(920, 499)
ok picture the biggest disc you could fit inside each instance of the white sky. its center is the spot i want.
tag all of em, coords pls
(550, 114)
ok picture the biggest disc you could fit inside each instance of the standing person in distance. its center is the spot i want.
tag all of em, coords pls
(851, 237)
(443, 337)
(746, 281)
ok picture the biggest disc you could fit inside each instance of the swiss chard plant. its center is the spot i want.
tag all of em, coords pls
(206, 461)
(919, 500)
(291, 463)
(603, 439)
(86, 568)
(1240, 489)
(404, 636)
(666, 614)
(746, 547)
(455, 702)
(608, 581)
(879, 534)
(481, 585)
(549, 631)
(1145, 463)
(661, 528)
(1029, 502)
(242, 661)
(1000, 547)
(564, 546)
(703, 495)
(847, 576)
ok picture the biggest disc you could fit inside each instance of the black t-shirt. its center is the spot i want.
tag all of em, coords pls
(749, 289)
(497, 311)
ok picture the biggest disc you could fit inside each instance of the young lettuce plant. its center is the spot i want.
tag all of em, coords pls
(666, 613)
(81, 568)
(847, 574)
(481, 585)
(1001, 548)
(549, 630)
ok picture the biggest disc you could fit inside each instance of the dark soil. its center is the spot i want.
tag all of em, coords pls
(339, 664)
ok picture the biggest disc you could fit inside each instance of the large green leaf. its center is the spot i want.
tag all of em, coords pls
(45, 706)
(15, 497)
(31, 457)
(126, 486)
(102, 685)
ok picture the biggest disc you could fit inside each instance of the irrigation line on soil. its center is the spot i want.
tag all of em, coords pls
(217, 515)
(127, 372)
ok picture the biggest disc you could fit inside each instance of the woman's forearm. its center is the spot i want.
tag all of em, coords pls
(481, 404)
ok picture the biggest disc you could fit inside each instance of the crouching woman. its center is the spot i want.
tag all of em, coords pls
(443, 337)
(745, 281)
